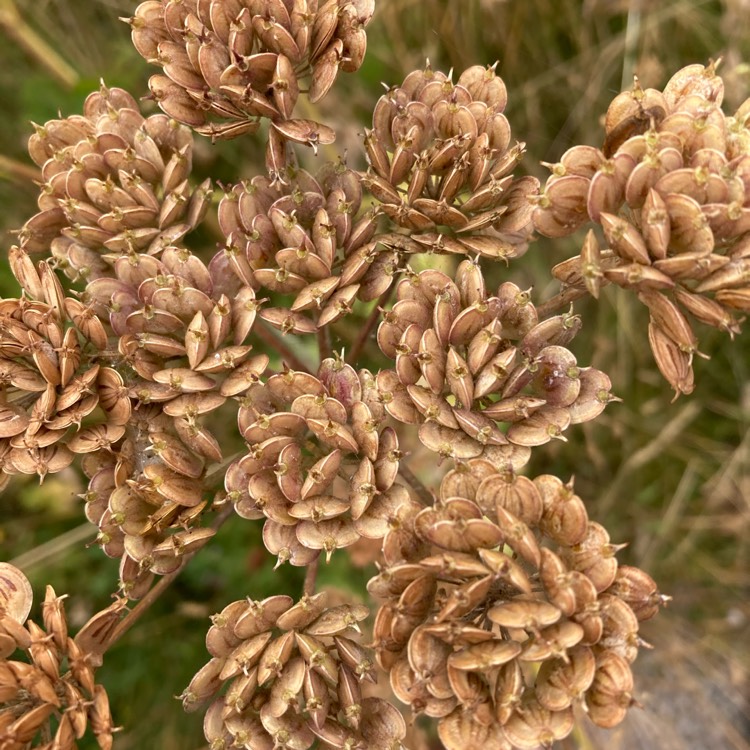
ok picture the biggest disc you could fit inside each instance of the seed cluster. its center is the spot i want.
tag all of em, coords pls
(49, 384)
(319, 466)
(292, 677)
(468, 362)
(669, 192)
(440, 159)
(55, 680)
(230, 63)
(512, 610)
(115, 184)
(301, 239)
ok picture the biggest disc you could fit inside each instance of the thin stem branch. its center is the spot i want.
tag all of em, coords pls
(164, 583)
(55, 547)
(364, 334)
(561, 299)
(220, 470)
(268, 337)
(324, 343)
(416, 484)
(14, 25)
(311, 576)
(18, 171)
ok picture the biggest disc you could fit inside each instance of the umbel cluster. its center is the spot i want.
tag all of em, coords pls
(137, 351)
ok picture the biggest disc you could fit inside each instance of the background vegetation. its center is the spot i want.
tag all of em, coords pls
(672, 480)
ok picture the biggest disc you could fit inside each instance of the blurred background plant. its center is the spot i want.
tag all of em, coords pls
(673, 480)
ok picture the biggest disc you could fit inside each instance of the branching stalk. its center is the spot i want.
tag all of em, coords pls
(560, 300)
(415, 483)
(370, 323)
(164, 583)
(268, 337)
(311, 576)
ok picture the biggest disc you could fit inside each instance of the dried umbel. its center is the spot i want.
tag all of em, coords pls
(49, 381)
(115, 183)
(669, 193)
(440, 159)
(230, 63)
(300, 239)
(293, 676)
(514, 612)
(319, 467)
(469, 362)
(503, 605)
(51, 683)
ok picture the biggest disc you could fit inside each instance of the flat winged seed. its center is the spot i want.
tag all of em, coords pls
(16, 596)
(506, 568)
(261, 616)
(282, 541)
(245, 656)
(524, 613)
(593, 397)
(327, 535)
(464, 480)
(460, 730)
(316, 655)
(484, 656)
(553, 641)
(382, 724)
(336, 620)
(516, 494)
(610, 694)
(673, 363)
(307, 132)
(564, 680)
(625, 239)
(275, 656)
(533, 726)
(541, 427)
(638, 590)
(305, 611)
(449, 443)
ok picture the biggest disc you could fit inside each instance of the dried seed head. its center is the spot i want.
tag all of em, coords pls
(667, 166)
(506, 642)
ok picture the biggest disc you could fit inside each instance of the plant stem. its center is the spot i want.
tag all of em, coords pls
(268, 337)
(364, 334)
(416, 484)
(19, 171)
(308, 588)
(54, 547)
(132, 617)
(324, 343)
(164, 583)
(561, 299)
(221, 469)
(12, 22)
